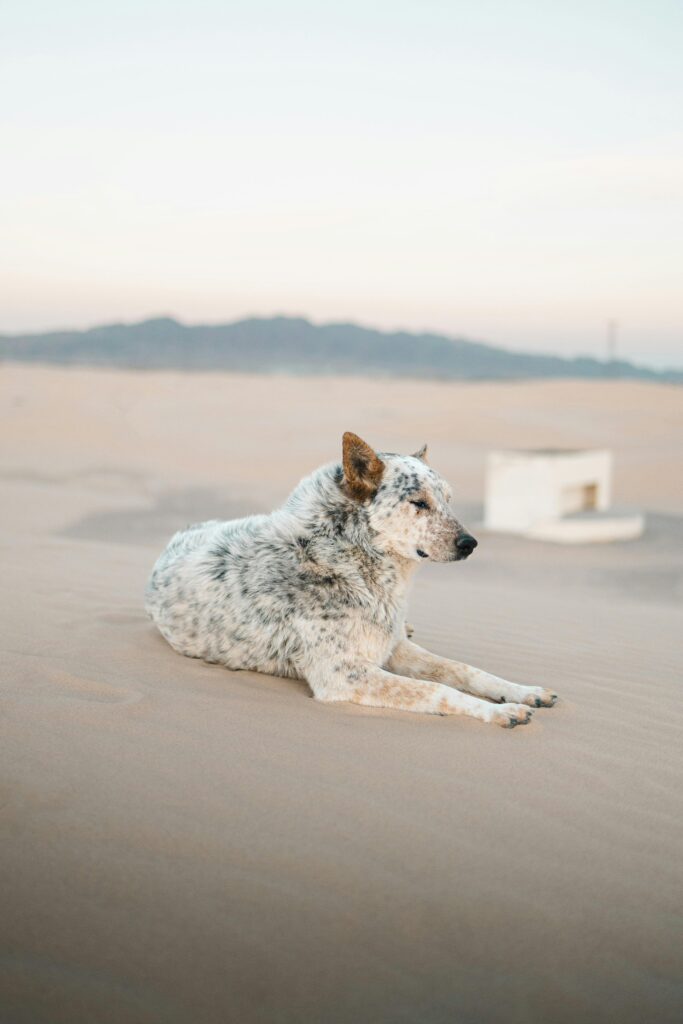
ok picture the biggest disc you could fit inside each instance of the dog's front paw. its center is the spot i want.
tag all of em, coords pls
(537, 697)
(510, 715)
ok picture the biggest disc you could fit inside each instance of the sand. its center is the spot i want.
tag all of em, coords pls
(185, 844)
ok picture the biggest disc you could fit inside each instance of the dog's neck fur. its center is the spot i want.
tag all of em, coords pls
(321, 513)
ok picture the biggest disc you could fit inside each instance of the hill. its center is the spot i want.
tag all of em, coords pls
(295, 345)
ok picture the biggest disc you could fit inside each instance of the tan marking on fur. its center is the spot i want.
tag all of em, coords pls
(438, 673)
(409, 695)
(429, 666)
(396, 695)
(363, 468)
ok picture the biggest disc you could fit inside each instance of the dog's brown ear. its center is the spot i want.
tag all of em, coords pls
(422, 454)
(363, 468)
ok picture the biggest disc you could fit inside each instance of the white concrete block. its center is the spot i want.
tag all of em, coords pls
(530, 491)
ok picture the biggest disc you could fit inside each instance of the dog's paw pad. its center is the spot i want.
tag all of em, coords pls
(511, 715)
(540, 698)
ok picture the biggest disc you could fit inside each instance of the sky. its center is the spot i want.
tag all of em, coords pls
(506, 171)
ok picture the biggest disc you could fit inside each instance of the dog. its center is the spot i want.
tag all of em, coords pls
(317, 591)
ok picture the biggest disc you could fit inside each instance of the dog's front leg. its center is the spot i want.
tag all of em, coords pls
(408, 659)
(365, 683)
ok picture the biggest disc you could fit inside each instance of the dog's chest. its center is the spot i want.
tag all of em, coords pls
(367, 637)
(385, 621)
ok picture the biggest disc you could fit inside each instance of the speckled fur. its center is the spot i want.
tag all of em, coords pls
(317, 590)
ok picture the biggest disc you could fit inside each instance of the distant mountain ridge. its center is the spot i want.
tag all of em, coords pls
(295, 345)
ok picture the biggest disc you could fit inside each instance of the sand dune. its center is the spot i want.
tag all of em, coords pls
(181, 843)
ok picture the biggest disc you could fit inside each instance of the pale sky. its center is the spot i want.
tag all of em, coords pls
(508, 171)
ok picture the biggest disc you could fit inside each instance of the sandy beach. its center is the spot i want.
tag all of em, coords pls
(186, 844)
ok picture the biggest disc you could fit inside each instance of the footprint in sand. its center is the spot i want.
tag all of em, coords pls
(78, 688)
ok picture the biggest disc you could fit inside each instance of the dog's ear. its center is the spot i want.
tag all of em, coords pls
(363, 468)
(422, 454)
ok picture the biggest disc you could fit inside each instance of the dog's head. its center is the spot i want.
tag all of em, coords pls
(408, 504)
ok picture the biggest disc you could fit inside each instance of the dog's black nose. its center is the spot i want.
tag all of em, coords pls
(465, 545)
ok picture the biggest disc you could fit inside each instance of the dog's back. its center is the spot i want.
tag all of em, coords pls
(207, 592)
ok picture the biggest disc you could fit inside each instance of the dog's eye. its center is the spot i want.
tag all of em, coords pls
(419, 504)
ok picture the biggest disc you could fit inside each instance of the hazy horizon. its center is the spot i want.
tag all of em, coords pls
(373, 329)
(511, 174)
(600, 352)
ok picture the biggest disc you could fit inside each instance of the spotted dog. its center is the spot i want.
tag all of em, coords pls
(317, 590)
